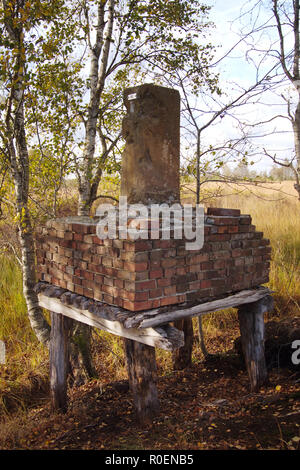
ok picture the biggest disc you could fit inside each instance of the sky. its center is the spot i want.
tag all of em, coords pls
(235, 69)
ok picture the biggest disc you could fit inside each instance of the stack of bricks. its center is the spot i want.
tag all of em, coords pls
(144, 274)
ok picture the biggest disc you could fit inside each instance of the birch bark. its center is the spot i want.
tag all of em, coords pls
(19, 167)
(99, 61)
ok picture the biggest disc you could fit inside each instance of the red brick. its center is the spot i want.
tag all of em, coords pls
(145, 285)
(205, 284)
(88, 284)
(218, 237)
(108, 281)
(108, 299)
(156, 303)
(156, 274)
(168, 263)
(118, 263)
(140, 276)
(170, 300)
(125, 275)
(128, 246)
(137, 306)
(195, 285)
(111, 290)
(97, 241)
(138, 296)
(246, 228)
(195, 268)
(206, 266)
(70, 286)
(225, 229)
(245, 220)
(163, 244)
(98, 295)
(79, 228)
(128, 256)
(142, 245)
(181, 271)
(107, 261)
(219, 264)
(163, 282)
(98, 279)
(78, 237)
(118, 244)
(224, 220)
(87, 275)
(119, 283)
(78, 289)
(181, 288)
(170, 290)
(135, 267)
(112, 272)
(223, 212)
(142, 257)
(63, 284)
(197, 258)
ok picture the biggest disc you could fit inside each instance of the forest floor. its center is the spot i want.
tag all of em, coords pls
(208, 406)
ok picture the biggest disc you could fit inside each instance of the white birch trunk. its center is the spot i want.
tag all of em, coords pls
(99, 61)
(19, 164)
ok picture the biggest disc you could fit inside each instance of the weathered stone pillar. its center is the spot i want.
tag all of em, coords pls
(151, 128)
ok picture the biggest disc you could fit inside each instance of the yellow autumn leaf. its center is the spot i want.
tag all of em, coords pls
(278, 388)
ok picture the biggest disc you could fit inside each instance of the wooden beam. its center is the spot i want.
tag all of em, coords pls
(152, 318)
(251, 318)
(182, 357)
(141, 366)
(164, 337)
(59, 360)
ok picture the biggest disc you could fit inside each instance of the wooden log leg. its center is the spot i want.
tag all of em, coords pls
(141, 365)
(182, 357)
(59, 360)
(251, 318)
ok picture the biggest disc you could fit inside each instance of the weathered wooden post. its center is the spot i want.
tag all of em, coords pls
(182, 357)
(59, 360)
(141, 366)
(251, 318)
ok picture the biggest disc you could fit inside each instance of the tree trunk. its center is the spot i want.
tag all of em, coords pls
(35, 313)
(19, 166)
(80, 356)
(201, 338)
(99, 61)
(80, 366)
(296, 130)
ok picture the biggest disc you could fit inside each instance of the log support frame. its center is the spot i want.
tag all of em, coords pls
(141, 362)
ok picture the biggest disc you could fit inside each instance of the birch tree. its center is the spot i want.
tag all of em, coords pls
(271, 30)
(128, 42)
(17, 17)
(287, 15)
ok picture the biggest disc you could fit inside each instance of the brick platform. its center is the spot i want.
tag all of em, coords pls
(144, 274)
